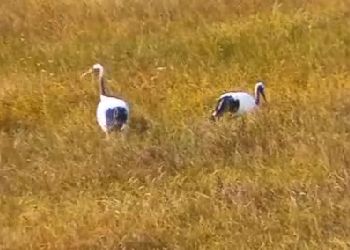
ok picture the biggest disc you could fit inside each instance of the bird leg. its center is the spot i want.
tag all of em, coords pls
(123, 131)
(107, 136)
(123, 127)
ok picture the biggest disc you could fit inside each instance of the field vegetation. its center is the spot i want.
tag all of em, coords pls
(278, 179)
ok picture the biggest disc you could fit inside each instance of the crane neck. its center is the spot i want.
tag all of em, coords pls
(102, 83)
(102, 86)
(257, 96)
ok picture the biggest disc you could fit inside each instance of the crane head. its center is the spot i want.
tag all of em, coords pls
(96, 68)
(260, 89)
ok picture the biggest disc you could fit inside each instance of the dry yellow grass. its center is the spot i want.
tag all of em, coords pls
(276, 180)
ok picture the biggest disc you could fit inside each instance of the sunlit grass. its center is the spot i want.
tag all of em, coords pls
(278, 179)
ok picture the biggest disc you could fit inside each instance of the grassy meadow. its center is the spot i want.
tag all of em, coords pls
(278, 179)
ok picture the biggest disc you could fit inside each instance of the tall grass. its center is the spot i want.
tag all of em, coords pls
(278, 179)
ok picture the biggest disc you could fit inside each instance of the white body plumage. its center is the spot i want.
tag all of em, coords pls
(106, 103)
(246, 101)
(239, 103)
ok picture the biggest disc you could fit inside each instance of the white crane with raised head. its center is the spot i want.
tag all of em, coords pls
(112, 112)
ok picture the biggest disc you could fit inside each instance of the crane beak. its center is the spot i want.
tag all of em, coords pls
(86, 73)
(213, 116)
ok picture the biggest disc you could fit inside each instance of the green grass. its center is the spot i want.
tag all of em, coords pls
(278, 179)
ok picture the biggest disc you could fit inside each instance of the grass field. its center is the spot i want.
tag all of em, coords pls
(278, 179)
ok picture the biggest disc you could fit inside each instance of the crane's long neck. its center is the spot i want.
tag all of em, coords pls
(257, 96)
(102, 83)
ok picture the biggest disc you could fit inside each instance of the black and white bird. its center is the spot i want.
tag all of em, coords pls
(239, 103)
(112, 112)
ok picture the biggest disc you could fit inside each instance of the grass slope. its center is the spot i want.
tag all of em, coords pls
(276, 180)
